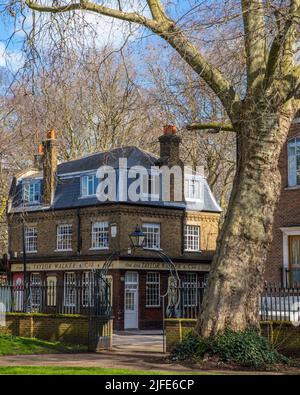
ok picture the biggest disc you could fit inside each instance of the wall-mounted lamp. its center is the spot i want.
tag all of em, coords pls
(137, 238)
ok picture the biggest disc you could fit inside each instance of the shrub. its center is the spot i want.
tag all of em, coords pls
(245, 348)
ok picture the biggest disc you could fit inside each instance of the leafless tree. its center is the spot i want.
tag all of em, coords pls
(182, 98)
(260, 107)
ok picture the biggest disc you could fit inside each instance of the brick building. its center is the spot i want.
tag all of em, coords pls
(283, 263)
(55, 217)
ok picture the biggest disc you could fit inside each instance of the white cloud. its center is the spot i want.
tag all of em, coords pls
(13, 60)
(109, 31)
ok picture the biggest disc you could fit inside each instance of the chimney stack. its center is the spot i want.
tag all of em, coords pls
(170, 156)
(38, 158)
(49, 167)
(169, 147)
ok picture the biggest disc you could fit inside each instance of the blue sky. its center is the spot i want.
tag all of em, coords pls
(11, 46)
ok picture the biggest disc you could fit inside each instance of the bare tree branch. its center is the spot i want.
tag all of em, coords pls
(167, 29)
(157, 10)
(281, 51)
(211, 126)
(98, 8)
(255, 42)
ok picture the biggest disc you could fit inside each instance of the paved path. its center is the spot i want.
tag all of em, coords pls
(138, 341)
(113, 359)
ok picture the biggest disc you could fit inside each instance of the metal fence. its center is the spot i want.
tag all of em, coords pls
(190, 296)
(75, 298)
(280, 303)
(275, 303)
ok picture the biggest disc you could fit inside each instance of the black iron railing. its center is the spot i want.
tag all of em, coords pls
(190, 296)
(275, 302)
(74, 298)
(280, 303)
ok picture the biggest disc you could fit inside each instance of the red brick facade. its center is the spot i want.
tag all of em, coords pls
(287, 218)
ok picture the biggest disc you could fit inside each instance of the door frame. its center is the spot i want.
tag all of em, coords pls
(137, 298)
(286, 232)
(292, 267)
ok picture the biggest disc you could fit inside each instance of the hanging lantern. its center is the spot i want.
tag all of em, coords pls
(137, 238)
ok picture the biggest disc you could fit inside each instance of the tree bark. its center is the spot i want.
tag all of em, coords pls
(237, 272)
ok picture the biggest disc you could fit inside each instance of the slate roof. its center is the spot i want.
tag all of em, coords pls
(109, 158)
(67, 193)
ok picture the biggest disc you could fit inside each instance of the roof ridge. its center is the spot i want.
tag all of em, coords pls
(107, 151)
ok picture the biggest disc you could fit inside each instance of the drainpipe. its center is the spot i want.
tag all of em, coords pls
(26, 280)
(79, 239)
(183, 221)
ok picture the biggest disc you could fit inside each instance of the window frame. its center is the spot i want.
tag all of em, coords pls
(187, 288)
(28, 184)
(51, 290)
(293, 171)
(32, 237)
(72, 285)
(189, 236)
(36, 290)
(188, 179)
(95, 183)
(59, 226)
(152, 225)
(94, 234)
(87, 284)
(153, 196)
(150, 286)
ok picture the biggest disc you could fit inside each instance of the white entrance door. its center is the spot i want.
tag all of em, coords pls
(131, 318)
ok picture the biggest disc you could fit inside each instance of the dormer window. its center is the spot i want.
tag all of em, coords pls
(150, 186)
(294, 162)
(32, 191)
(89, 185)
(192, 188)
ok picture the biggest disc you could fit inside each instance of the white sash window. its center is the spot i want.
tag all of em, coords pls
(294, 162)
(31, 239)
(152, 235)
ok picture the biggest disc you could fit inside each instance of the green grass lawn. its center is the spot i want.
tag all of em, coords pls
(11, 345)
(59, 370)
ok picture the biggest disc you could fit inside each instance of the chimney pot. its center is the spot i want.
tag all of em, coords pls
(170, 129)
(51, 135)
(40, 149)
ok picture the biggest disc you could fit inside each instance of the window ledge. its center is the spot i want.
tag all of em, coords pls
(152, 307)
(292, 188)
(87, 196)
(31, 252)
(192, 251)
(146, 196)
(68, 250)
(99, 249)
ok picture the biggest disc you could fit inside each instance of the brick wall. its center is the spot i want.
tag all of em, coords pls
(126, 217)
(287, 214)
(284, 336)
(176, 329)
(64, 328)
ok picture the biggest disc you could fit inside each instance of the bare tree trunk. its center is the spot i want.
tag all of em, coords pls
(236, 277)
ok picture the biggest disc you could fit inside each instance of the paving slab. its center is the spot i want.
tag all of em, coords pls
(138, 341)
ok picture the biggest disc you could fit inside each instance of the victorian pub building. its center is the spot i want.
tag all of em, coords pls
(55, 218)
